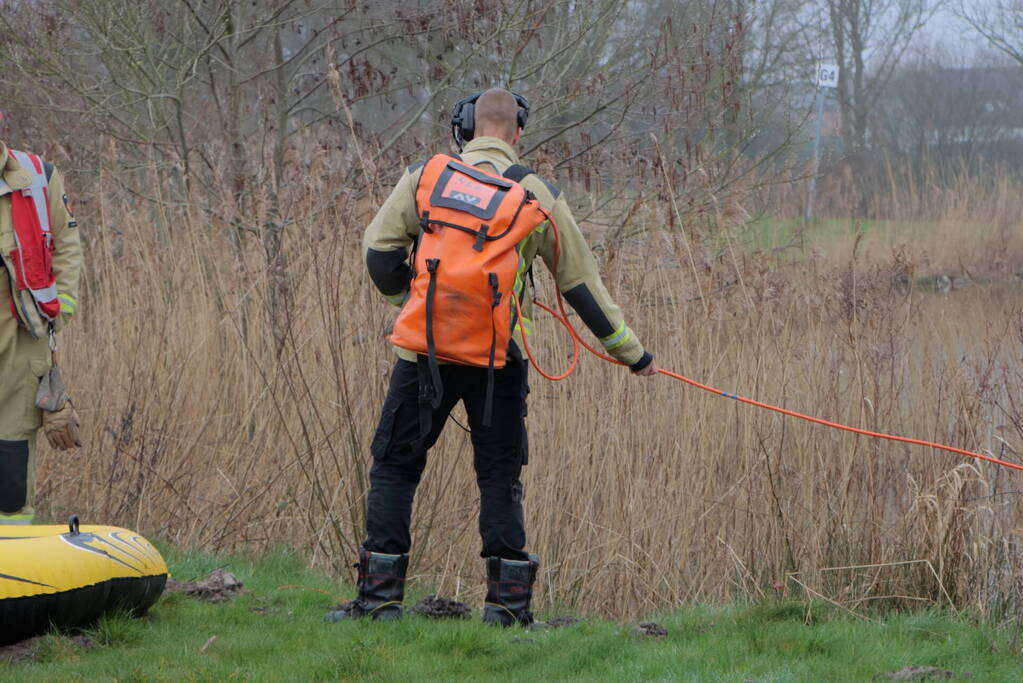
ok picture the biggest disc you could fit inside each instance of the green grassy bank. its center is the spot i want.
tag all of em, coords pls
(275, 631)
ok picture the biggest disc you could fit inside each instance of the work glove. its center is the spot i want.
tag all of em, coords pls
(61, 427)
(60, 421)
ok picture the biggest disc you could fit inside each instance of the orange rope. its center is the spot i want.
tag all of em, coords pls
(562, 317)
(529, 351)
(563, 320)
(837, 425)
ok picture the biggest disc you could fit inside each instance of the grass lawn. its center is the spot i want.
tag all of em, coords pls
(767, 233)
(276, 632)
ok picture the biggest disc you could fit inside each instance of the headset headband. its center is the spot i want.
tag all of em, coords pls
(463, 117)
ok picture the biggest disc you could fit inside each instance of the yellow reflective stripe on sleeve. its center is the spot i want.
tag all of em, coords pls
(16, 519)
(524, 325)
(68, 303)
(520, 269)
(396, 299)
(616, 338)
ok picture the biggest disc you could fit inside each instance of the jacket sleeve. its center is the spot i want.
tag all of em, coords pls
(388, 238)
(67, 249)
(580, 283)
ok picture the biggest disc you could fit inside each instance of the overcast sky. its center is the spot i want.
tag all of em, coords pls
(949, 32)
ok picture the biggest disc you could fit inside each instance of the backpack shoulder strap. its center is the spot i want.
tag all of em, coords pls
(415, 189)
(517, 172)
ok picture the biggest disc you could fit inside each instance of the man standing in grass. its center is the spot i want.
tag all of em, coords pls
(495, 404)
(40, 260)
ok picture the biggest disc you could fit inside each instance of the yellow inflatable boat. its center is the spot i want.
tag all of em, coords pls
(68, 576)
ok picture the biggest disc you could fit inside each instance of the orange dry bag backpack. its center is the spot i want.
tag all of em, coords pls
(460, 301)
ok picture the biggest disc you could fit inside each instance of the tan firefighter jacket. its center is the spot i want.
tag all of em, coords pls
(395, 228)
(67, 248)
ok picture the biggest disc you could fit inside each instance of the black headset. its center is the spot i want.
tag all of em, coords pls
(463, 117)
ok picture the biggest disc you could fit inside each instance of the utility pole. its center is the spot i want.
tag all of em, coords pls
(827, 77)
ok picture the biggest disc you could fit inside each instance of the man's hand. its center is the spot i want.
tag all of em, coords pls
(61, 427)
(650, 370)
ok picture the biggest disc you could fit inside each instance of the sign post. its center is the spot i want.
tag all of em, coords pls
(827, 77)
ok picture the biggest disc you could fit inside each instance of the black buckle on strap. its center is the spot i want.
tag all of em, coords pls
(481, 238)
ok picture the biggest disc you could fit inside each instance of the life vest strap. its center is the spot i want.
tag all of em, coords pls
(37, 190)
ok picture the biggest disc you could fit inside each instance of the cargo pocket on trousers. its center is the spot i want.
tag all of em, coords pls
(385, 431)
(524, 446)
(13, 475)
(517, 492)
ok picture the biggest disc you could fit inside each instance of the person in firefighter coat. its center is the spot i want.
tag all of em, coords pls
(40, 262)
(494, 399)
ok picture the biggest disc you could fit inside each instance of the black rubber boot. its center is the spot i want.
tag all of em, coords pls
(381, 588)
(509, 590)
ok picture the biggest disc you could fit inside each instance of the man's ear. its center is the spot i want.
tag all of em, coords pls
(518, 134)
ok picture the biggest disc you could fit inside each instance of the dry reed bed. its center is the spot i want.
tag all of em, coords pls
(640, 494)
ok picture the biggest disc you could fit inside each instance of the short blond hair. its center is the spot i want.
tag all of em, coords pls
(496, 114)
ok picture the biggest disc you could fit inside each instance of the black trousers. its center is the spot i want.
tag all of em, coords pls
(499, 452)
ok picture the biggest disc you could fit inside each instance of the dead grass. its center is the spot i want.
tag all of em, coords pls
(203, 428)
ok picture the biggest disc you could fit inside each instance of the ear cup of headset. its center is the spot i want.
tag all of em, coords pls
(467, 121)
(463, 119)
(523, 114)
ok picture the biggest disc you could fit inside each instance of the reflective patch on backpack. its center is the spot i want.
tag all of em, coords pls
(467, 189)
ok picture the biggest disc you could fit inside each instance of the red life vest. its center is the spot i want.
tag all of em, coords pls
(32, 257)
